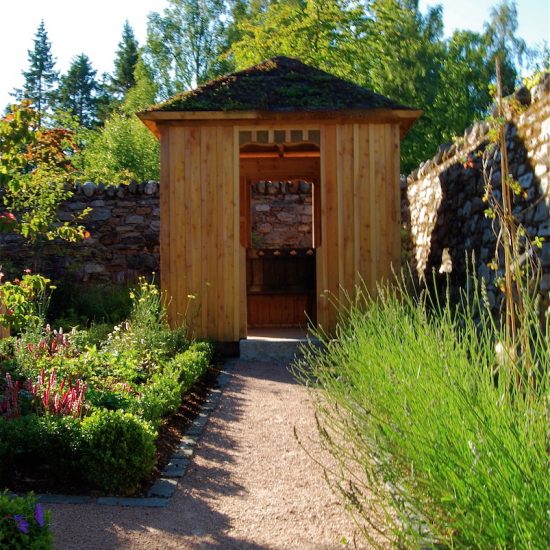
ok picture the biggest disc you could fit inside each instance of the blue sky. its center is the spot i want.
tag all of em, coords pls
(95, 28)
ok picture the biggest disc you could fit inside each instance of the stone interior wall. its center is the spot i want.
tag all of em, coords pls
(124, 225)
(281, 214)
(444, 206)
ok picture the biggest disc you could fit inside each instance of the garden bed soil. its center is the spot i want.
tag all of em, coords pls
(169, 436)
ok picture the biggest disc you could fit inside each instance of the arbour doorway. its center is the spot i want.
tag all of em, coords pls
(280, 174)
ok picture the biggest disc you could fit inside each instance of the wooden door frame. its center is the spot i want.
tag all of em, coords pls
(276, 169)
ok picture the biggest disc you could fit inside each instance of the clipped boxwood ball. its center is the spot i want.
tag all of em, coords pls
(119, 451)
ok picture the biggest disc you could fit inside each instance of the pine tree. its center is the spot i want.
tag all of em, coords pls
(40, 78)
(79, 92)
(125, 62)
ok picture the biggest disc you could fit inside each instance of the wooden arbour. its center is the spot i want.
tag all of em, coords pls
(204, 179)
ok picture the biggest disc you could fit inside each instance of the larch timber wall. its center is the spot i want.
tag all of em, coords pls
(360, 210)
(202, 258)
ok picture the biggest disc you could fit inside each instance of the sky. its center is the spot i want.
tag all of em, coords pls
(95, 28)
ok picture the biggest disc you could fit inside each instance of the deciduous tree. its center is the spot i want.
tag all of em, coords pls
(184, 44)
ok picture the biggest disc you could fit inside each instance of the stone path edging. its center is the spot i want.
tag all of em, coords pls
(159, 494)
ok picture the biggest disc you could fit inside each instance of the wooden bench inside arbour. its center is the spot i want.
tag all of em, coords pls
(278, 119)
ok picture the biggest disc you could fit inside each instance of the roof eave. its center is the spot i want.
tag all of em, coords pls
(405, 117)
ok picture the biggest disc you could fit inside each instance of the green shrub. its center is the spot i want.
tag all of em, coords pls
(48, 447)
(415, 398)
(189, 366)
(162, 394)
(123, 149)
(119, 451)
(24, 525)
(73, 305)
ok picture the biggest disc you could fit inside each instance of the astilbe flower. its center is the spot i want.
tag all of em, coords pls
(67, 399)
(9, 403)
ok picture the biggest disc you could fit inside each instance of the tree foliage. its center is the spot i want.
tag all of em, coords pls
(184, 44)
(389, 46)
(35, 168)
(41, 76)
(79, 92)
(393, 48)
(125, 62)
(124, 149)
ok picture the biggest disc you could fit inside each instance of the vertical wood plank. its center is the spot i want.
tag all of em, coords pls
(327, 263)
(229, 207)
(382, 187)
(239, 321)
(373, 207)
(209, 227)
(357, 221)
(395, 156)
(366, 195)
(346, 222)
(164, 201)
(177, 228)
(175, 215)
(193, 227)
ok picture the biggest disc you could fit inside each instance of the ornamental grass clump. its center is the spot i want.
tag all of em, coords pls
(431, 433)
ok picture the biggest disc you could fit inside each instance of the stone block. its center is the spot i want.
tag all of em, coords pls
(273, 188)
(176, 468)
(100, 214)
(541, 213)
(541, 169)
(163, 488)
(94, 268)
(138, 220)
(88, 189)
(133, 502)
(526, 180)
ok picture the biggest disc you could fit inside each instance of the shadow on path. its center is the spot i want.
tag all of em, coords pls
(189, 521)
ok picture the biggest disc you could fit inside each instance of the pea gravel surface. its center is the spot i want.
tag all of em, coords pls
(250, 484)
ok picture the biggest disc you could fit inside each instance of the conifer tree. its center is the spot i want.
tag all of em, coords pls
(41, 77)
(125, 62)
(79, 92)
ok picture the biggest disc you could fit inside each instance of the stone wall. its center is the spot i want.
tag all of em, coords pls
(281, 214)
(445, 208)
(124, 225)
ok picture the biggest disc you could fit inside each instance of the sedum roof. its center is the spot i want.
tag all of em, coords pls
(280, 84)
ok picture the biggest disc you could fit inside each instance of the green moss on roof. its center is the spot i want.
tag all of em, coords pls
(278, 84)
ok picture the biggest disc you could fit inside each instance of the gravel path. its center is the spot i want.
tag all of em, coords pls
(250, 484)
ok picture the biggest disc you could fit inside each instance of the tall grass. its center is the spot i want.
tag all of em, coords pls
(431, 433)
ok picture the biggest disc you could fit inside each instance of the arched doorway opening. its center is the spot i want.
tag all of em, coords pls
(280, 226)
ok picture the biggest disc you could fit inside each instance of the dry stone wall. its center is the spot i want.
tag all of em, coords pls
(445, 209)
(281, 214)
(124, 225)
